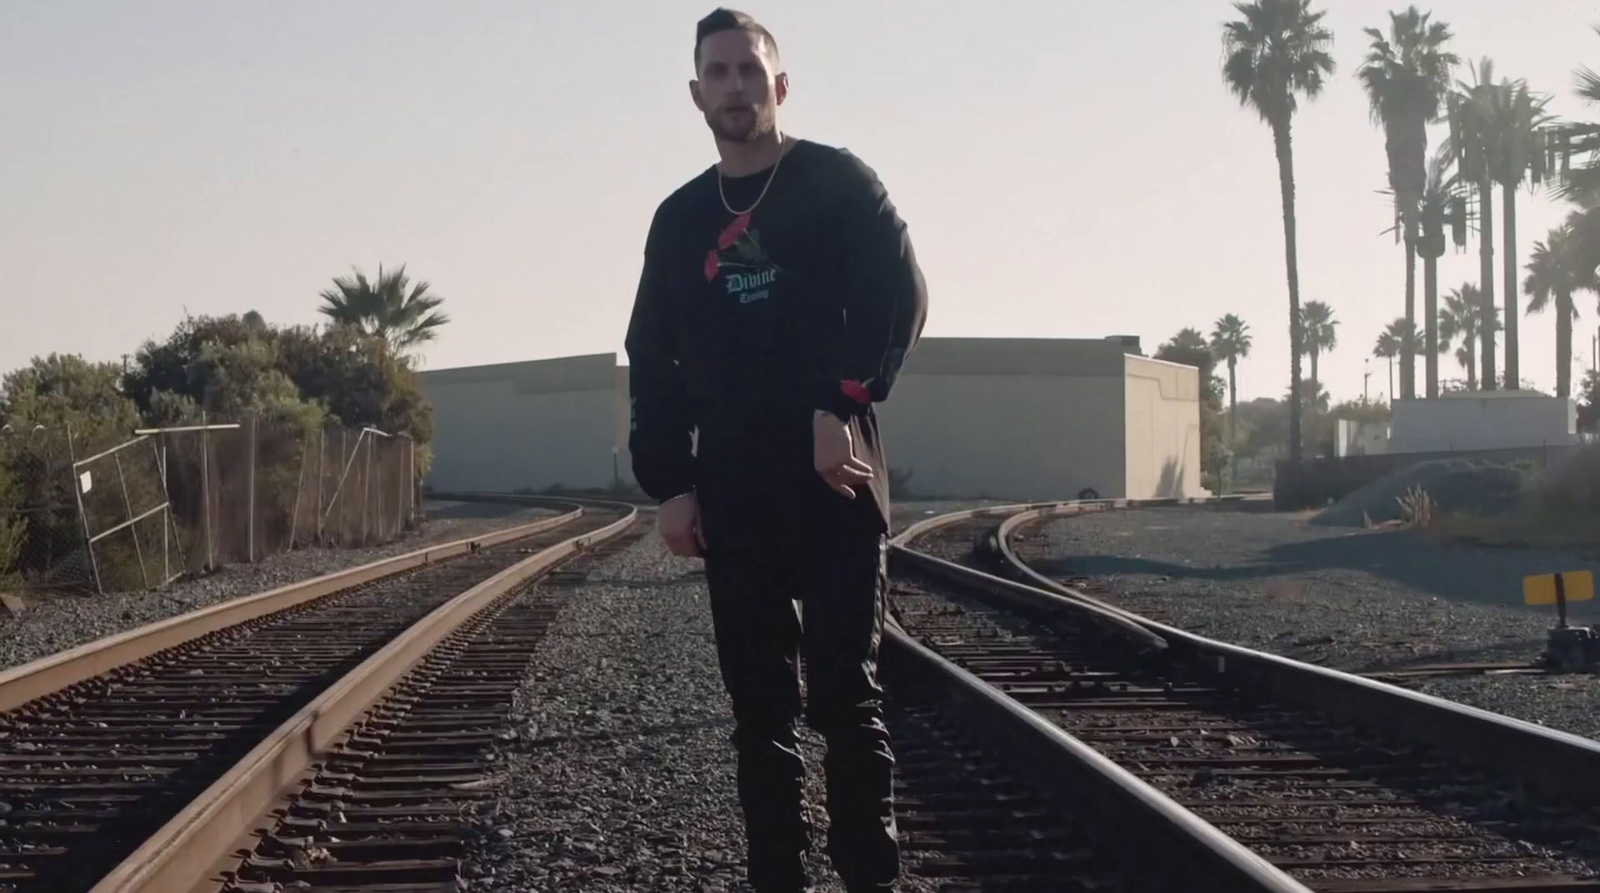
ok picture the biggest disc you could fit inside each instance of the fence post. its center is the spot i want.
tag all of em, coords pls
(322, 453)
(400, 491)
(366, 496)
(299, 486)
(250, 489)
(205, 489)
(83, 517)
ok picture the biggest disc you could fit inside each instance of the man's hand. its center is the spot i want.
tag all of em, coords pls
(678, 521)
(833, 454)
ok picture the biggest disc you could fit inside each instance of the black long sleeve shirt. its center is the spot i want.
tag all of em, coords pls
(744, 326)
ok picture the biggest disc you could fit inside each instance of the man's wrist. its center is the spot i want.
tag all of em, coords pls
(685, 494)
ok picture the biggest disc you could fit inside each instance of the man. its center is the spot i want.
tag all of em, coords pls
(778, 300)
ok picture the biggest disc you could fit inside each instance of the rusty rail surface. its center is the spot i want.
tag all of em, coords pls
(96, 760)
(55, 672)
(179, 855)
(1349, 783)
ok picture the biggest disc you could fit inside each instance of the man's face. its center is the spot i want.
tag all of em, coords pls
(738, 89)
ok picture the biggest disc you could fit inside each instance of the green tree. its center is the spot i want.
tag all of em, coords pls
(1230, 343)
(1554, 273)
(392, 308)
(1277, 52)
(1407, 76)
(1318, 334)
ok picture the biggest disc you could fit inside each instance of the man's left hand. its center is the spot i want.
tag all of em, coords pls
(833, 454)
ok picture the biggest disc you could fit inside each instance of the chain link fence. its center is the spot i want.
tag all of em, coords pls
(185, 500)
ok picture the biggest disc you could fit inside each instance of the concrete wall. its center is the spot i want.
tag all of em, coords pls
(1487, 420)
(531, 424)
(1162, 430)
(1361, 438)
(1008, 418)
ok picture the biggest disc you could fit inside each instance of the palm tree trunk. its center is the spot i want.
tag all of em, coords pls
(1513, 373)
(1284, 148)
(1233, 404)
(1563, 345)
(1430, 325)
(1391, 380)
(1472, 364)
(1486, 279)
(1315, 390)
(1408, 357)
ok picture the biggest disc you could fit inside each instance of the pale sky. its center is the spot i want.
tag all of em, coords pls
(1071, 168)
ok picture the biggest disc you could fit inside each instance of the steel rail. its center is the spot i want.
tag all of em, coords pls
(1161, 837)
(179, 856)
(30, 681)
(1556, 762)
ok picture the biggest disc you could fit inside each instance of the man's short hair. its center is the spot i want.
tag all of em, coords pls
(723, 19)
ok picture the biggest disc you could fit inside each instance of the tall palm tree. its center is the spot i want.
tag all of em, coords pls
(1276, 52)
(1472, 142)
(1230, 342)
(1519, 158)
(1318, 334)
(1552, 278)
(405, 315)
(1441, 209)
(1407, 76)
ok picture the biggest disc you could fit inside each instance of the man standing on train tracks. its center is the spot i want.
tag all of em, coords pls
(778, 300)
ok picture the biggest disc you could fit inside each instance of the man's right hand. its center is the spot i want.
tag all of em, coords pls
(678, 520)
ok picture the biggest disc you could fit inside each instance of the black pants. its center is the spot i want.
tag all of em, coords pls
(828, 554)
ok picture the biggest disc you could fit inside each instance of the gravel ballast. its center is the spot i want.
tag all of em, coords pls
(621, 777)
(56, 623)
(1353, 600)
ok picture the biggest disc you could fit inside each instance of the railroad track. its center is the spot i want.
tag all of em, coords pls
(1345, 784)
(127, 763)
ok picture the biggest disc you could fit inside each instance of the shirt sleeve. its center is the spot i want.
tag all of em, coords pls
(885, 299)
(660, 426)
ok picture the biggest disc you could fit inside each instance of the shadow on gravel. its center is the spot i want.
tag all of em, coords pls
(1457, 573)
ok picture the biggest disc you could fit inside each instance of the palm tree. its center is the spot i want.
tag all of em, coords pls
(1463, 317)
(1230, 342)
(1520, 157)
(1318, 334)
(1441, 208)
(1397, 338)
(1387, 348)
(1471, 142)
(1496, 127)
(1407, 76)
(1553, 273)
(406, 319)
(1277, 51)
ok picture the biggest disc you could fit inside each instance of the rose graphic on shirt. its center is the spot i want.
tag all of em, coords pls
(738, 248)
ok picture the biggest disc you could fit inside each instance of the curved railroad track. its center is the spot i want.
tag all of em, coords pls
(126, 764)
(1346, 784)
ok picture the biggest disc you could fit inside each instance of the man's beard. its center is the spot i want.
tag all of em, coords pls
(760, 123)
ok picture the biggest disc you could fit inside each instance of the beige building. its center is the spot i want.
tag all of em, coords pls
(1006, 418)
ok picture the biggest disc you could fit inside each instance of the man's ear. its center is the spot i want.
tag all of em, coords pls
(780, 85)
(694, 94)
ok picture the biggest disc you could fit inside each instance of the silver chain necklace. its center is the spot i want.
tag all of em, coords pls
(773, 173)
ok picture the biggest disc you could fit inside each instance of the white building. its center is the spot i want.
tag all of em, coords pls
(1006, 418)
(1482, 420)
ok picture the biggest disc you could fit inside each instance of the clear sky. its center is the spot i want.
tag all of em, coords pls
(1071, 168)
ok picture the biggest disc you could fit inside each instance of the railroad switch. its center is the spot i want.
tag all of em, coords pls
(1570, 649)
